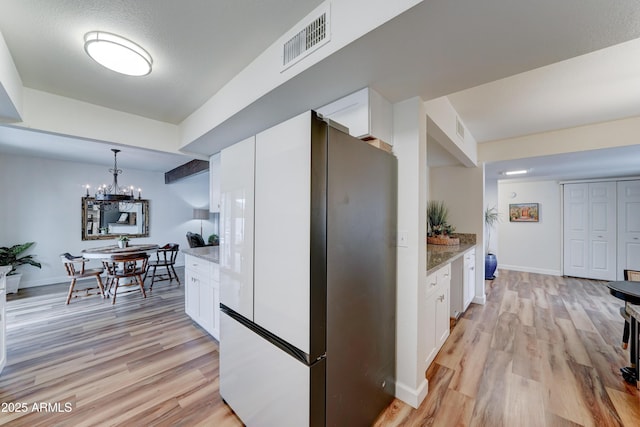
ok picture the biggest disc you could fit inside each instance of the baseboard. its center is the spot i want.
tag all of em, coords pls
(525, 269)
(54, 280)
(479, 300)
(410, 396)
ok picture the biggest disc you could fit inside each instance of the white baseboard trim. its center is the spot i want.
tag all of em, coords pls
(525, 269)
(480, 300)
(410, 396)
(54, 280)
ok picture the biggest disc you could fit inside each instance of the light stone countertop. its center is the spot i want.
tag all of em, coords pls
(208, 253)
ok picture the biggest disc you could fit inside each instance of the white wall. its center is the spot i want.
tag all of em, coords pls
(410, 147)
(41, 202)
(534, 247)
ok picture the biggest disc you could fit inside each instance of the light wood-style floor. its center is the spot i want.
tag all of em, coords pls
(543, 351)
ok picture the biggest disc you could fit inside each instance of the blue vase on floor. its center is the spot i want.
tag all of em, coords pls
(490, 265)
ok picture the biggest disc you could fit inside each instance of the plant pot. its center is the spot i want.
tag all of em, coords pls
(122, 244)
(490, 265)
(13, 283)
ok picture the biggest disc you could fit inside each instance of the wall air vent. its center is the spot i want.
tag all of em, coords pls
(459, 128)
(308, 39)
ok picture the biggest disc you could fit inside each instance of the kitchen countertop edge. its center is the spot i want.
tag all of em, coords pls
(438, 256)
(208, 253)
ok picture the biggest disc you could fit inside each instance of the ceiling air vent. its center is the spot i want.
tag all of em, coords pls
(459, 128)
(307, 40)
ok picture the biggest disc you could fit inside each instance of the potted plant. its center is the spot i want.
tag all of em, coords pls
(10, 256)
(491, 218)
(214, 240)
(441, 230)
(123, 241)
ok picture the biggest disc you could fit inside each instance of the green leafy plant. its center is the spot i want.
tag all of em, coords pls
(123, 238)
(491, 218)
(213, 239)
(9, 256)
(437, 214)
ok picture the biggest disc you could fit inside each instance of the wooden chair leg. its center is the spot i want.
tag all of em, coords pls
(115, 291)
(100, 285)
(625, 335)
(153, 277)
(175, 274)
(71, 286)
(141, 283)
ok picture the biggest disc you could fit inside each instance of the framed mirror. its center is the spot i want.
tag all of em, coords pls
(107, 220)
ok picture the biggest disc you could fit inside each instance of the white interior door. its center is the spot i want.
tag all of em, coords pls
(628, 227)
(576, 199)
(236, 226)
(602, 230)
(590, 232)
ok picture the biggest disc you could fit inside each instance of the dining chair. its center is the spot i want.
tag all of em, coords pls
(75, 267)
(165, 258)
(631, 276)
(130, 267)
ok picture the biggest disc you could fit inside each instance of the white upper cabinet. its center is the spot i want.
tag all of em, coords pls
(365, 112)
(214, 183)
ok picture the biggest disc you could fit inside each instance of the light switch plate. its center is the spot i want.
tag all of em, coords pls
(403, 239)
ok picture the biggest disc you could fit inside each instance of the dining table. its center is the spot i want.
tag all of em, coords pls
(629, 292)
(108, 252)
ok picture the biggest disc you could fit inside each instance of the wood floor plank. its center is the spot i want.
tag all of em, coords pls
(542, 351)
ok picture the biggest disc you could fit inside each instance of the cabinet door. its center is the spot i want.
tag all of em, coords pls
(429, 337)
(469, 278)
(206, 305)
(214, 183)
(236, 227)
(192, 294)
(442, 315)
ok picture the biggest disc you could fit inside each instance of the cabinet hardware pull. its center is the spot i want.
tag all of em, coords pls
(441, 298)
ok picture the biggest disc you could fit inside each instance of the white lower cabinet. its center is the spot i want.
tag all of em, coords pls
(469, 284)
(436, 307)
(202, 293)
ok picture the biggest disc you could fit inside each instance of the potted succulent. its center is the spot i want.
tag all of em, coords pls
(11, 256)
(441, 230)
(491, 218)
(123, 241)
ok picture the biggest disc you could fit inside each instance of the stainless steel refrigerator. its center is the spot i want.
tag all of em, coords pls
(307, 277)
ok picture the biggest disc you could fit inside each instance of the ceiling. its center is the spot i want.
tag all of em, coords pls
(510, 67)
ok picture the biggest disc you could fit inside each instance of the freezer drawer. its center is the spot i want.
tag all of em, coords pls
(264, 385)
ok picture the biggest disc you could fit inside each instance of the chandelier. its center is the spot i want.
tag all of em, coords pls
(114, 194)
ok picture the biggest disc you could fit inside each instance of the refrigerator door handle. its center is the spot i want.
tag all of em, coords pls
(275, 340)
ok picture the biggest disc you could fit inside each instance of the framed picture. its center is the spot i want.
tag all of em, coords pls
(524, 212)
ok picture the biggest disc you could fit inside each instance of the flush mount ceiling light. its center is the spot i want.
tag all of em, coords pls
(117, 53)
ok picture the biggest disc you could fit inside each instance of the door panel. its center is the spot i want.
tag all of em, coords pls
(282, 233)
(628, 227)
(590, 233)
(236, 224)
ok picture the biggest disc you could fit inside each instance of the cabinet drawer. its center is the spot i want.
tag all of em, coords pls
(197, 265)
(444, 274)
(437, 278)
